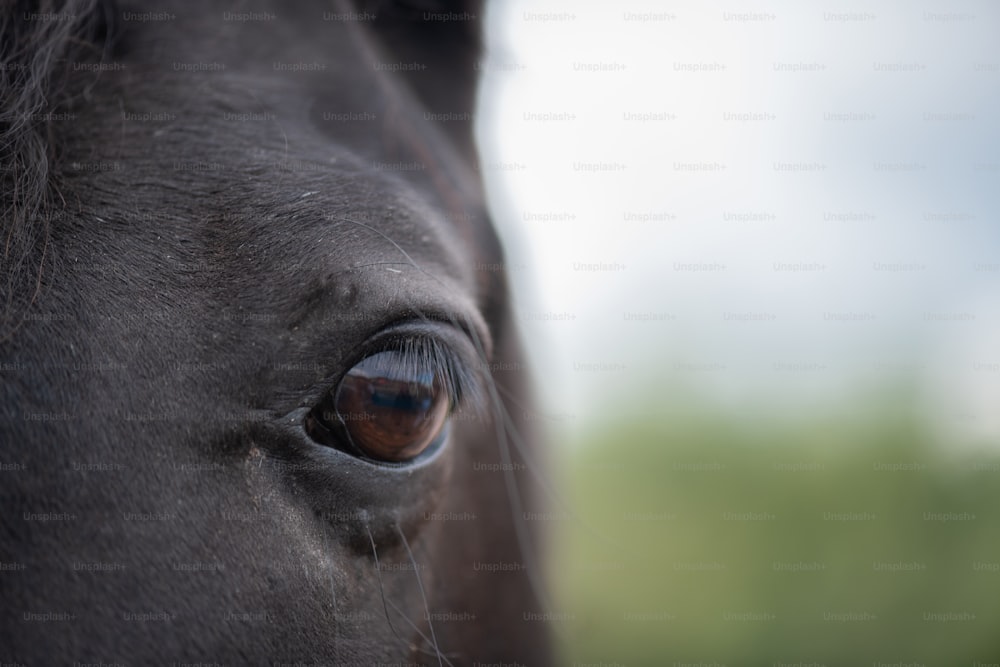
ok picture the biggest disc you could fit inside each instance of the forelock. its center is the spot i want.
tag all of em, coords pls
(39, 42)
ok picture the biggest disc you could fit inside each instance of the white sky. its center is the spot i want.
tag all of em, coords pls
(694, 171)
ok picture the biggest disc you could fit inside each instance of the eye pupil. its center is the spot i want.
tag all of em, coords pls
(391, 410)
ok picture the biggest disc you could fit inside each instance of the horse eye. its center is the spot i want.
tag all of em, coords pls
(389, 406)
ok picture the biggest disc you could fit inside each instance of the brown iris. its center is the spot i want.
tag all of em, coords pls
(391, 408)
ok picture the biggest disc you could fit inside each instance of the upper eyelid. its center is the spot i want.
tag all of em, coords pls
(464, 369)
(472, 326)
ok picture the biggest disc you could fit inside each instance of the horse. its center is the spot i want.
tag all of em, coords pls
(264, 397)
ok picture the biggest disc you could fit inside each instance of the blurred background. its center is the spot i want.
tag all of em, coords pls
(756, 248)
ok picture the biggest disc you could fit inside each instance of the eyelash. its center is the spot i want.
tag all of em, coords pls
(464, 384)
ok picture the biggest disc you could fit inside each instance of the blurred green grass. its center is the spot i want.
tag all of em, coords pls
(703, 539)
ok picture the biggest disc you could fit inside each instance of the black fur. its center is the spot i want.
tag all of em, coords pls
(199, 241)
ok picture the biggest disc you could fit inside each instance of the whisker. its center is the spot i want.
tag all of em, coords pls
(441, 654)
(381, 585)
(389, 239)
(547, 488)
(513, 492)
(386, 603)
(423, 595)
(333, 590)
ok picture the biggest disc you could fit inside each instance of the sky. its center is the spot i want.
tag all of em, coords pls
(778, 207)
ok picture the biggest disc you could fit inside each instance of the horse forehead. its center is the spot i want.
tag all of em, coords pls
(237, 123)
(311, 206)
(314, 110)
(237, 33)
(277, 192)
(382, 252)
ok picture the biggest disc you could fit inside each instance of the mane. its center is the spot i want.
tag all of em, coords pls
(39, 42)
